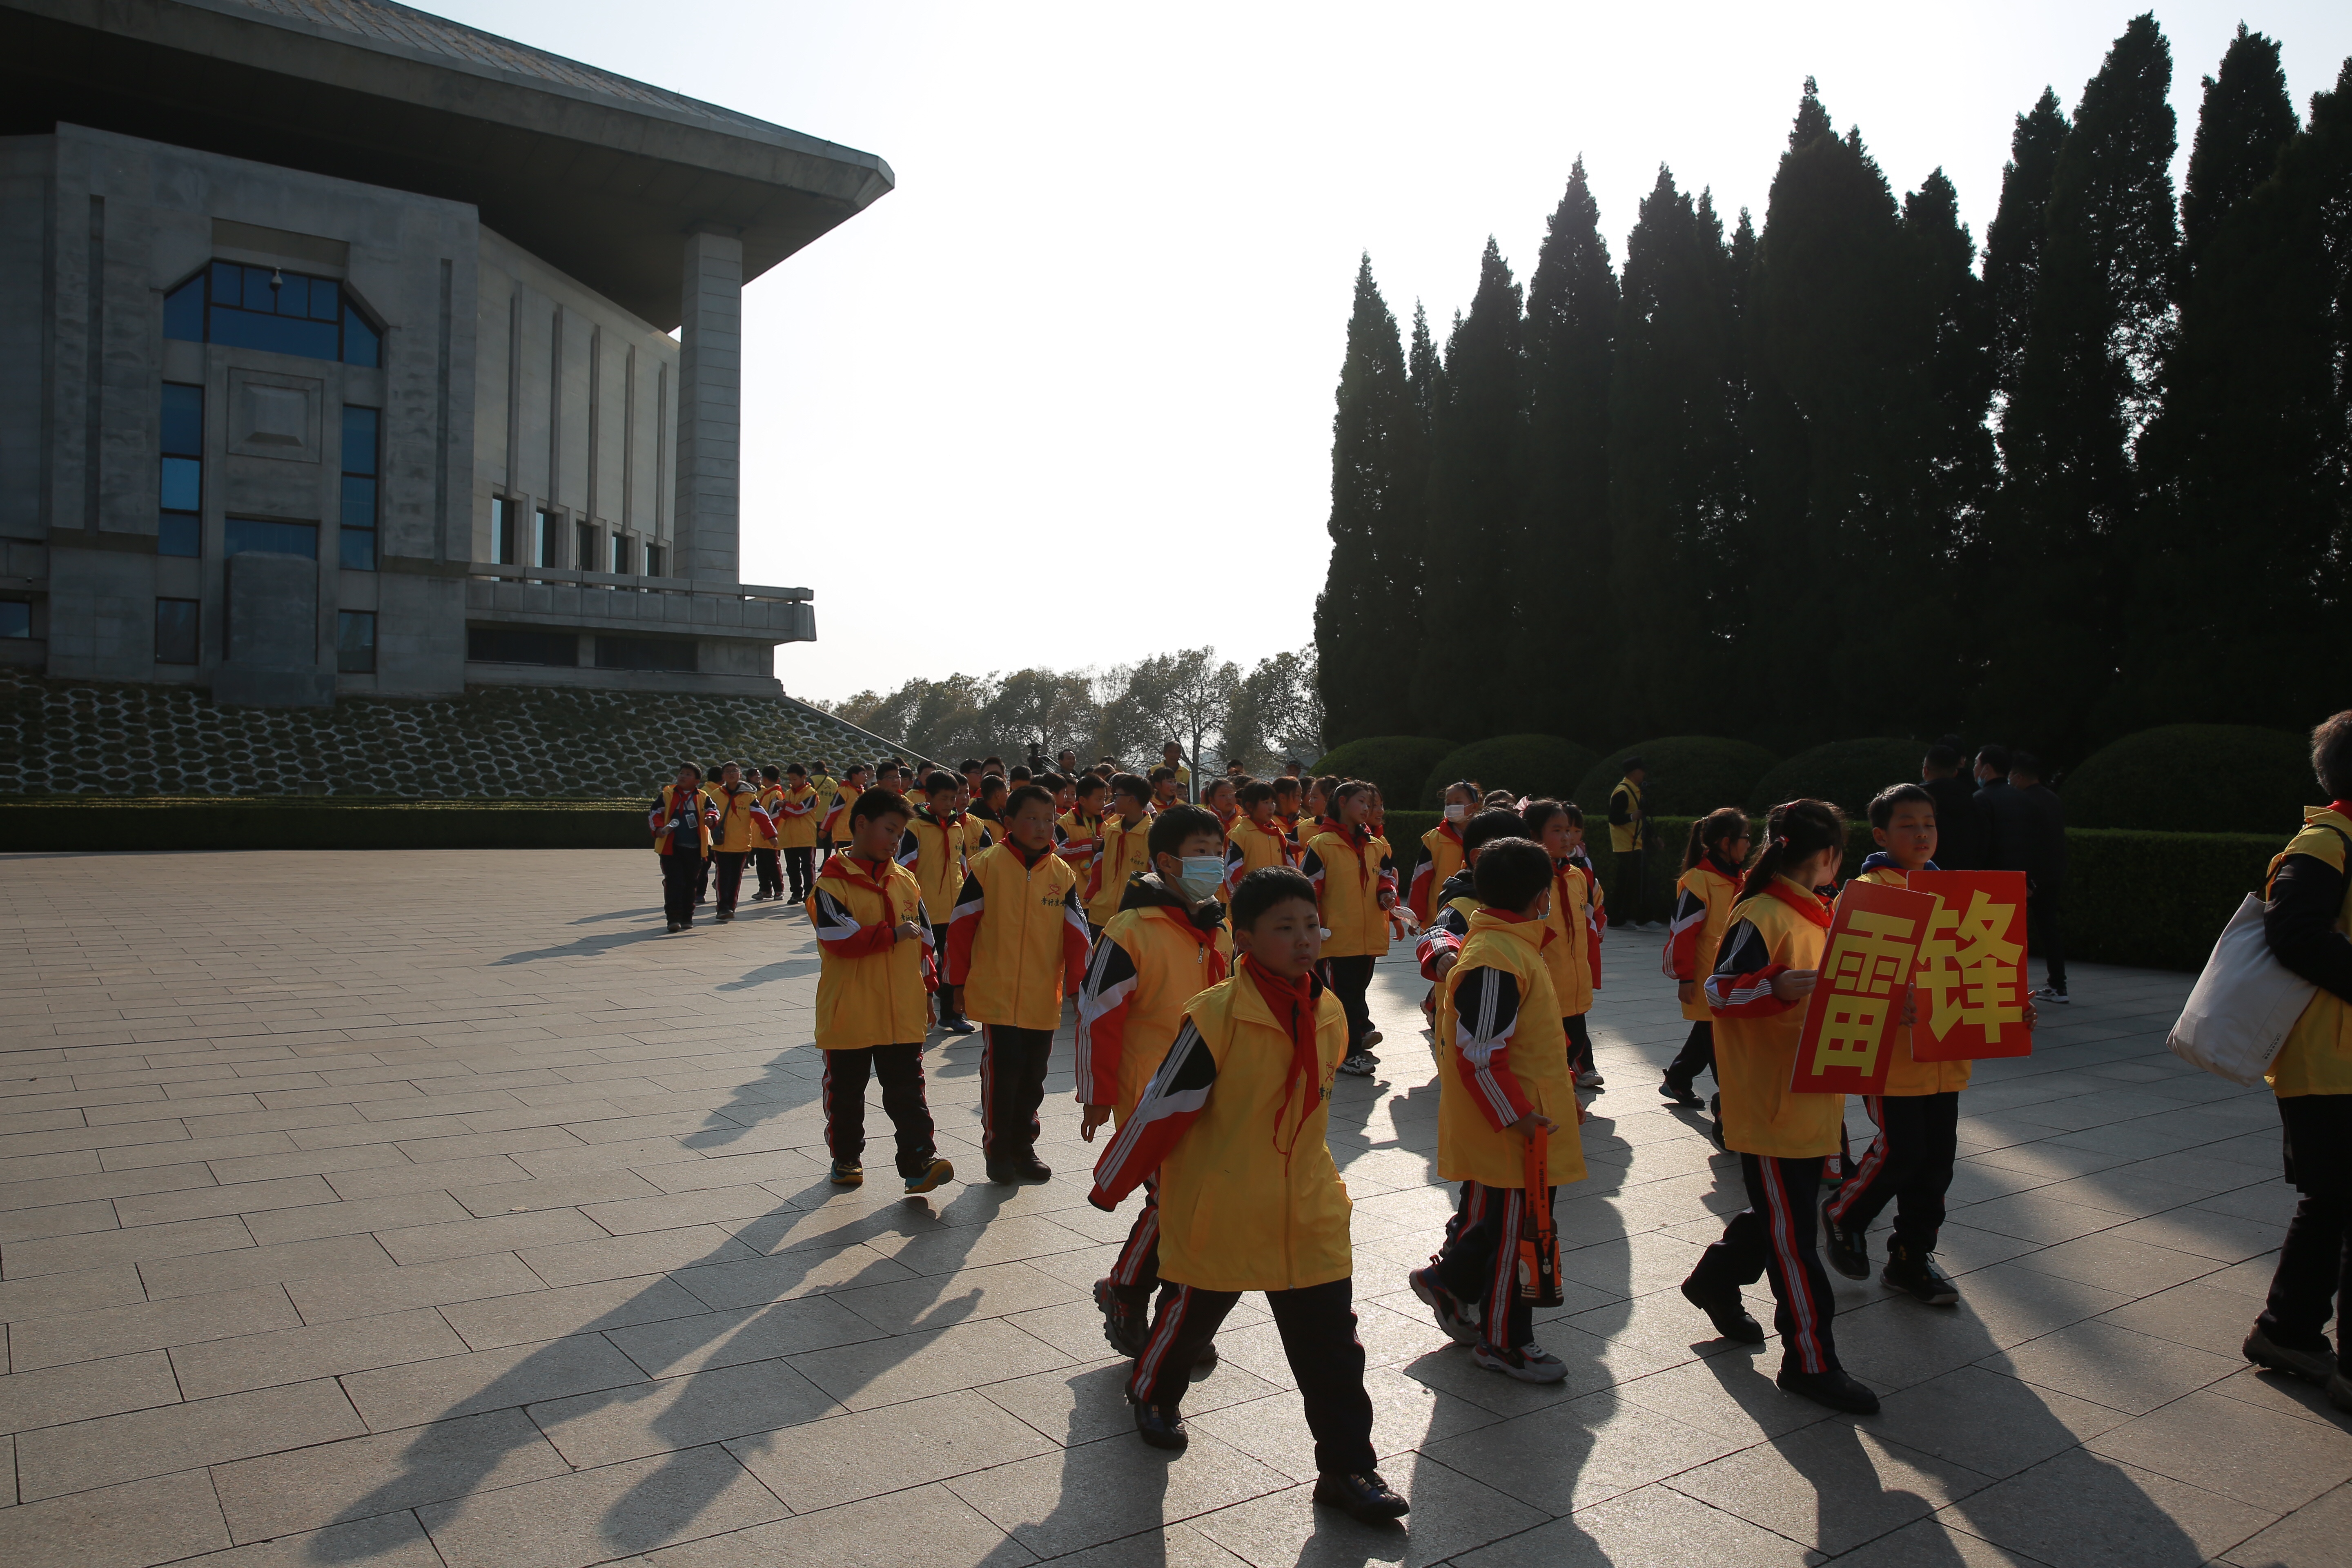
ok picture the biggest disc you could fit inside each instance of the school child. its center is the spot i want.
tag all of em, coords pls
(970, 768)
(1439, 945)
(1016, 947)
(1502, 1077)
(1704, 895)
(795, 813)
(991, 765)
(1770, 961)
(1256, 838)
(988, 814)
(731, 839)
(835, 832)
(935, 847)
(1221, 798)
(1289, 807)
(1574, 958)
(1355, 880)
(821, 779)
(680, 821)
(875, 973)
(767, 854)
(1163, 788)
(1318, 809)
(1234, 1124)
(1064, 790)
(1917, 1114)
(1081, 830)
(1441, 849)
(1166, 945)
(1124, 850)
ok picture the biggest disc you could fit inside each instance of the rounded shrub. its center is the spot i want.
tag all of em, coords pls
(1397, 764)
(1524, 765)
(1844, 772)
(1689, 775)
(2195, 778)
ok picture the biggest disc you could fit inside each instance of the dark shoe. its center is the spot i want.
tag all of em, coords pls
(675, 928)
(726, 915)
(1849, 1250)
(1833, 1388)
(1918, 1276)
(935, 1172)
(1027, 1168)
(1124, 1321)
(1358, 1064)
(2264, 1351)
(958, 1026)
(1160, 1429)
(1205, 1362)
(2051, 994)
(1364, 1495)
(1714, 1127)
(1681, 1094)
(1451, 1316)
(848, 1173)
(1725, 1311)
(1529, 1363)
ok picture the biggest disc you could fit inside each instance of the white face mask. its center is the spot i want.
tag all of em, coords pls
(1457, 812)
(1201, 875)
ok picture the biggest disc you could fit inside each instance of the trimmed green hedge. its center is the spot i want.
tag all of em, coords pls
(1397, 764)
(1533, 765)
(317, 822)
(1846, 773)
(1690, 775)
(2190, 778)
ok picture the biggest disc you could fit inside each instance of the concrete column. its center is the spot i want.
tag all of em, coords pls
(710, 410)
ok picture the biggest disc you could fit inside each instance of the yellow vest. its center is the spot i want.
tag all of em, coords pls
(1905, 1078)
(1237, 1212)
(1755, 1057)
(1123, 853)
(1628, 836)
(1352, 895)
(1469, 1147)
(1568, 955)
(879, 998)
(1719, 893)
(2318, 1055)
(939, 860)
(1260, 846)
(797, 832)
(733, 836)
(1444, 857)
(1171, 964)
(1022, 953)
(1084, 835)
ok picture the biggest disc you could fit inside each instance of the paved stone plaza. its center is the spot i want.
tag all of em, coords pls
(403, 1209)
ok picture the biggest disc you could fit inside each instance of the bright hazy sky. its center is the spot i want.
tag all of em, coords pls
(1102, 313)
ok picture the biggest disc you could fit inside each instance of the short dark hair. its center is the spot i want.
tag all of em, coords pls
(2331, 754)
(878, 801)
(858, 768)
(1178, 823)
(771, 774)
(1162, 774)
(992, 785)
(939, 779)
(1020, 773)
(1636, 764)
(1538, 815)
(1265, 888)
(968, 765)
(1490, 824)
(2025, 762)
(1511, 873)
(1090, 783)
(1256, 790)
(1284, 785)
(687, 768)
(1052, 780)
(998, 761)
(1993, 757)
(1136, 789)
(1027, 794)
(1882, 803)
(1940, 756)
(797, 768)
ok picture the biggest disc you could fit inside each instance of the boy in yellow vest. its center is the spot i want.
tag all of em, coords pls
(1629, 833)
(1079, 828)
(836, 832)
(767, 844)
(1502, 1076)
(1016, 946)
(937, 848)
(1124, 851)
(873, 995)
(1234, 1124)
(680, 821)
(796, 814)
(1357, 882)
(1166, 945)
(732, 840)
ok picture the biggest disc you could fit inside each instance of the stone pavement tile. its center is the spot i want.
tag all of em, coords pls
(1994, 1424)
(756, 1280)
(175, 1152)
(2114, 1366)
(392, 1397)
(912, 1365)
(2008, 1303)
(1085, 1403)
(1731, 1396)
(328, 1350)
(126, 1526)
(387, 1540)
(71, 1253)
(361, 1478)
(2036, 1217)
(2202, 1233)
(2079, 1511)
(355, 1217)
(1406, 1416)
(529, 1196)
(331, 1299)
(2265, 1460)
(2282, 1395)
(56, 1219)
(2114, 1263)
(1655, 1524)
(533, 1315)
(2310, 1537)
(616, 1257)
(384, 1178)
(792, 1167)
(1831, 1486)
(670, 1211)
(309, 1163)
(1451, 1513)
(1450, 1371)
(1069, 1499)
(285, 1262)
(695, 1339)
(53, 1395)
(87, 1185)
(147, 1325)
(992, 1291)
(593, 1516)
(823, 1463)
(2193, 1314)
(1574, 1454)
(207, 1200)
(131, 1446)
(929, 1525)
(1939, 1540)
(2130, 1191)
(466, 1236)
(676, 1412)
(1175, 1546)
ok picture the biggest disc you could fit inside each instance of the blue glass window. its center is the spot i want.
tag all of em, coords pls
(271, 309)
(244, 534)
(179, 525)
(355, 642)
(361, 429)
(15, 618)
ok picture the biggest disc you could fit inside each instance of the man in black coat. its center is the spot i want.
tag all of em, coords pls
(1959, 827)
(2037, 846)
(2000, 812)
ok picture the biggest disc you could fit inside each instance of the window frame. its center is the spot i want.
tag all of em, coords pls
(232, 523)
(195, 294)
(372, 477)
(173, 523)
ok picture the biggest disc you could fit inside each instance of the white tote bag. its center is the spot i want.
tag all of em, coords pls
(2243, 1003)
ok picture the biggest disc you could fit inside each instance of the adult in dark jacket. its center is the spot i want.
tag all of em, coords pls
(2007, 828)
(2032, 840)
(1960, 826)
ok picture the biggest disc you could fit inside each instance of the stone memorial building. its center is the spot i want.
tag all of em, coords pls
(336, 355)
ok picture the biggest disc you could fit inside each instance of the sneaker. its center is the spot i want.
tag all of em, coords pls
(1918, 1276)
(1680, 1094)
(937, 1171)
(1371, 1038)
(1834, 1388)
(1529, 1363)
(1363, 1494)
(958, 1026)
(1027, 1168)
(1451, 1316)
(848, 1173)
(1848, 1248)
(1590, 1078)
(1725, 1311)
(725, 916)
(2264, 1351)
(1160, 1429)
(1124, 1323)
(675, 928)
(1358, 1064)
(2048, 993)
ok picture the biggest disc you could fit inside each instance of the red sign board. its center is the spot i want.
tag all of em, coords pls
(1867, 964)
(1970, 982)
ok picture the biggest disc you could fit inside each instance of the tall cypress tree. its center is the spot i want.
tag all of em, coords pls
(1564, 626)
(2246, 117)
(1477, 544)
(2094, 346)
(1372, 592)
(2013, 239)
(1961, 467)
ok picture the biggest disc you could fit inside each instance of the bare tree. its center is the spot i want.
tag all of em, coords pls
(1185, 695)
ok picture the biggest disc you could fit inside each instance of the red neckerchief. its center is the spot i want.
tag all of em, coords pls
(1028, 861)
(1811, 905)
(1228, 818)
(1447, 830)
(1723, 867)
(1292, 1002)
(2340, 808)
(1508, 918)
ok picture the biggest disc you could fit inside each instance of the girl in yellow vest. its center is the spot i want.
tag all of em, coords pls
(1770, 959)
(874, 978)
(1574, 959)
(1704, 895)
(835, 831)
(938, 850)
(1235, 1123)
(1356, 880)
(732, 840)
(1502, 1077)
(1221, 799)
(680, 821)
(796, 814)
(1256, 838)
(767, 844)
(1016, 946)
(1441, 851)
(1124, 851)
